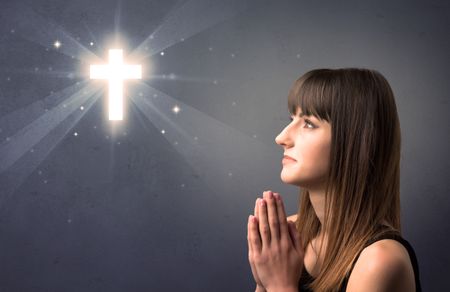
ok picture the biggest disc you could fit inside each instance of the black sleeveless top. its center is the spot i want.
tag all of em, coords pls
(306, 278)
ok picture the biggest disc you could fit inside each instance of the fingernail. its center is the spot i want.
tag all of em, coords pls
(277, 196)
(270, 195)
(261, 202)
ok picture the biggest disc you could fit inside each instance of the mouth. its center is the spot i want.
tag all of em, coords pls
(288, 159)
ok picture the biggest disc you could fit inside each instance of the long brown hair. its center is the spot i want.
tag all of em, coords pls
(363, 186)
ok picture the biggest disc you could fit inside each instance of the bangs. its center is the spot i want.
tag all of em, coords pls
(313, 93)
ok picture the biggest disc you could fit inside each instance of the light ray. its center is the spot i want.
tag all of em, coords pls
(13, 178)
(187, 20)
(36, 29)
(47, 72)
(216, 151)
(16, 120)
(175, 77)
(24, 139)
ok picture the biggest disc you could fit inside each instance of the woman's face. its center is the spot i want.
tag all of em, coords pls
(307, 140)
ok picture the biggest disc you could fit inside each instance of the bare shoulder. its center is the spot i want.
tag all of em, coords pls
(382, 266)
(292, 218)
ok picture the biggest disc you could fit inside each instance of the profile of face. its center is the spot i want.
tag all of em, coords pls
(308, 141)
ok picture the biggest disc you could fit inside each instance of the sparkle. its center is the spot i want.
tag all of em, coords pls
(81, 107)
(172, 76)
(163, 131)
(95, 127)
(69, 220)
(91, 43)
(233, 55)
(182, 39)
(57, 44)
(8, 79)
(45, 181)
(162, 53)
(176, 109)
(210, 49)
(182, 185)
(12, 31)
(298, 56)
(215, 82)
(75, 134)
(230, 174)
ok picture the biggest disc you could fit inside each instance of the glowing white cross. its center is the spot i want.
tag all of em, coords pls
(116, 71)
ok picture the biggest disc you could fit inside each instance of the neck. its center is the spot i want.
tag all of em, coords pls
(317, 199)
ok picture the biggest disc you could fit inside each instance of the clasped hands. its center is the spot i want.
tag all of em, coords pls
(275, 250)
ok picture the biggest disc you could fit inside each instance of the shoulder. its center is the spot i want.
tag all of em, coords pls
(292, 218)
(382, 266)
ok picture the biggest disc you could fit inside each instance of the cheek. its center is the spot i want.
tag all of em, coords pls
(313, 157)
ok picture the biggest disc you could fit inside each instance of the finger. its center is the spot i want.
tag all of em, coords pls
(272, 216)
(295, 237)
(284, 232)
(255, 213)
(253, 235)
(264, 228)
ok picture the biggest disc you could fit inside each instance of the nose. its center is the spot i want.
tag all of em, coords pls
(283, 138)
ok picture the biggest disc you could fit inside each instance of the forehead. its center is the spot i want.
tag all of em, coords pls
(300, 113)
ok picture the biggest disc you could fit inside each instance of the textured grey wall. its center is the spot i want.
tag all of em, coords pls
(89, 207)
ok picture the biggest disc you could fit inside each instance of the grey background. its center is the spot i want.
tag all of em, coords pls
(96, 215)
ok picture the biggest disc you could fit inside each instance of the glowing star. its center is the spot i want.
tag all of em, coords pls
(57, 44)
(115, 72)
(176, 109)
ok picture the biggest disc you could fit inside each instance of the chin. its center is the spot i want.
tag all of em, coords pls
(289, 179)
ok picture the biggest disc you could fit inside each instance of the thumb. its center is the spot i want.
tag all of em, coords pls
(295, 237)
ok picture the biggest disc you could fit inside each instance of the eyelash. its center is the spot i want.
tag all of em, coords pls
(306, 121)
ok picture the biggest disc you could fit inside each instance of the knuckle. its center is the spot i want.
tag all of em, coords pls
(259, 259)
(265, 229)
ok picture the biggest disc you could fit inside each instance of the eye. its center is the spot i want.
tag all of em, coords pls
(309, 123)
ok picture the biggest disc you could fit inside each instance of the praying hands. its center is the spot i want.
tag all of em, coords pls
(275, 251)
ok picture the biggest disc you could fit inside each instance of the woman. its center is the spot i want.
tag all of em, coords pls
(342, 147)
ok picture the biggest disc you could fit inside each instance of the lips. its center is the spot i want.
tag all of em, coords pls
(288, 158)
